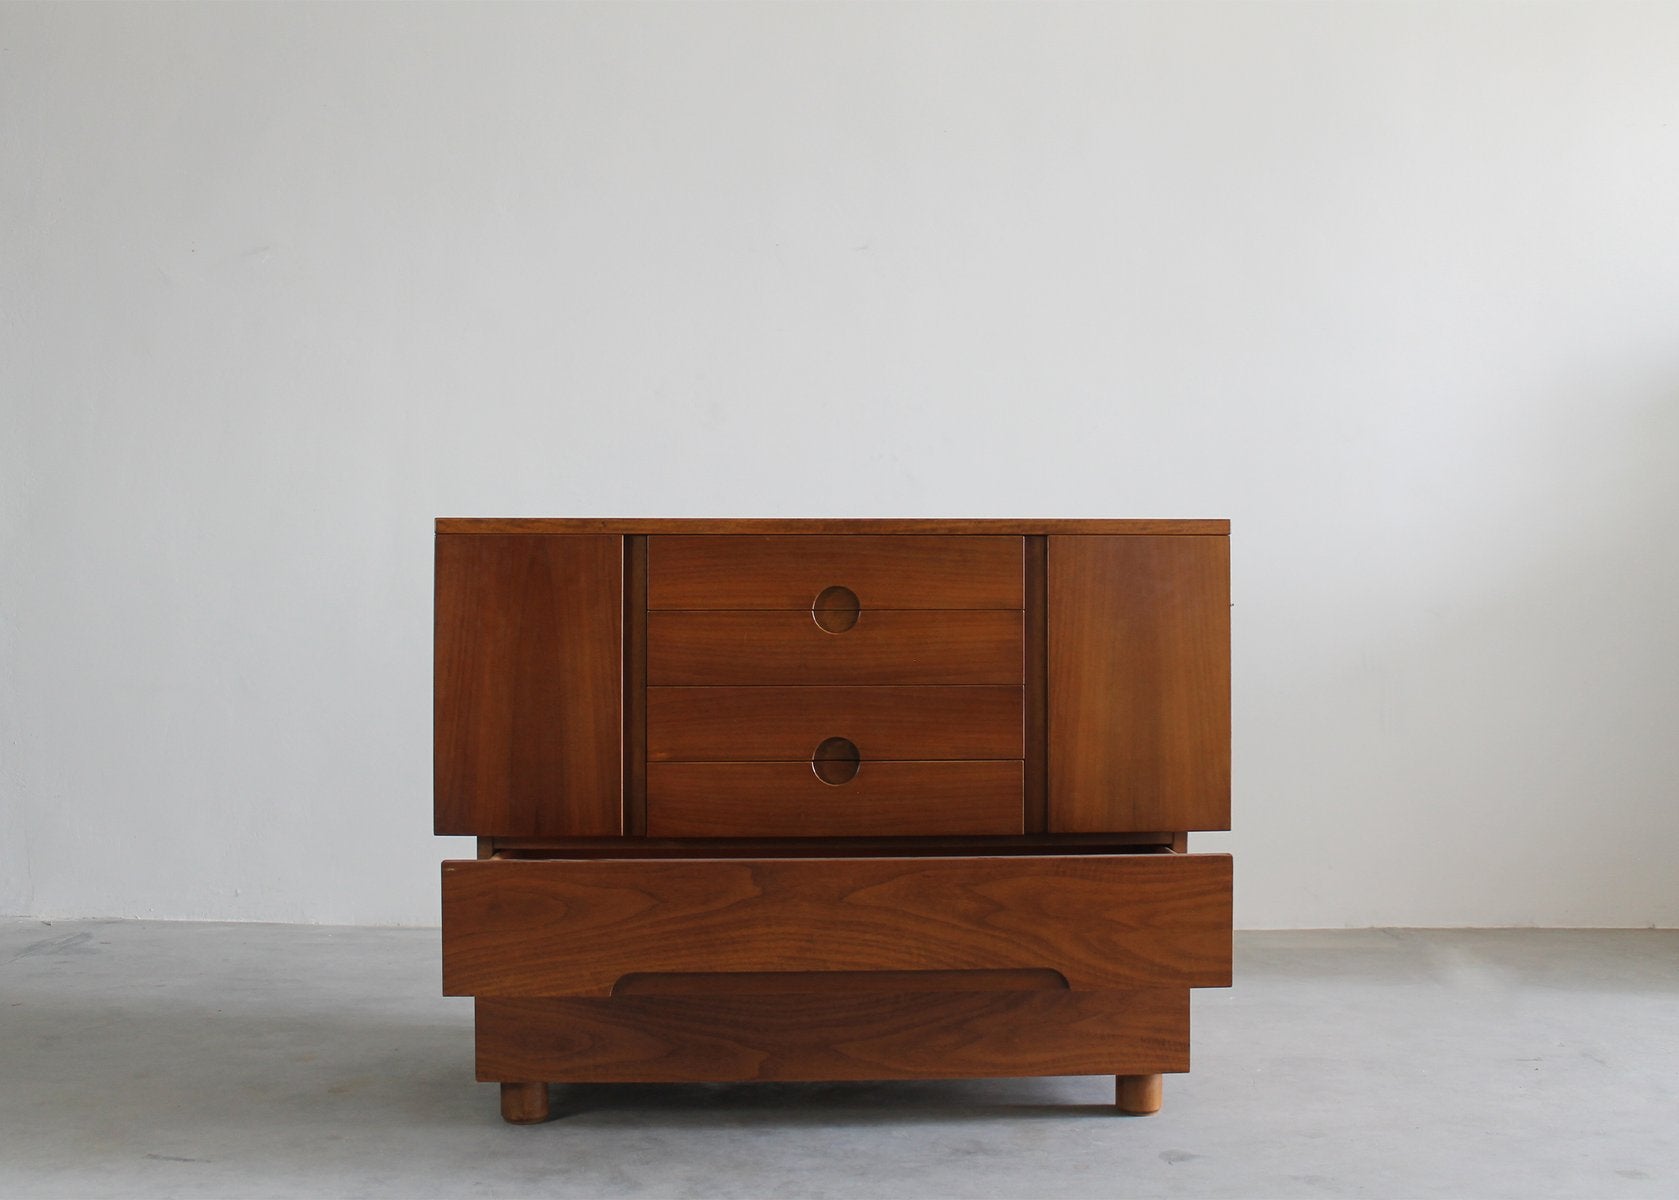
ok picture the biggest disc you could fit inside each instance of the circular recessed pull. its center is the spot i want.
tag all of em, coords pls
(835, 609)
(836, 760)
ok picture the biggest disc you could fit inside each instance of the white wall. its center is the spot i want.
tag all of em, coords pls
(1396, 288)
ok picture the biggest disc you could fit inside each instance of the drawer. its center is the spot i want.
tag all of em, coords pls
(787, 723)
(788, 799)
(834, 1033)
(891, 571)
(567, 927)
(894, 646)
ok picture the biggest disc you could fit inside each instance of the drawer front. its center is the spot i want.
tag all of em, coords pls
(833, 1035)
(786, 724)
(556, 927)
(891, 647)
(892, 571)
(787, 799)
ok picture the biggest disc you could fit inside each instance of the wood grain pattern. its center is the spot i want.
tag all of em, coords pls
(768, 983)
(787, 647)
(527, 686)
(565, 927)
(916, 571)
(635, 686)
(1036, 690)
(786, 799)
(654, 1039)
(785, 723)
(1139, 683)
(1144, 842)
(817, 526)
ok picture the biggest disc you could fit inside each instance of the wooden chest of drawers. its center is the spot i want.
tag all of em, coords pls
(831, 799)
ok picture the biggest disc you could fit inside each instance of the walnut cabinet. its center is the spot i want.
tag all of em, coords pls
(831, 799)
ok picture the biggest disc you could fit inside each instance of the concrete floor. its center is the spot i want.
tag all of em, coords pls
(160, 1059)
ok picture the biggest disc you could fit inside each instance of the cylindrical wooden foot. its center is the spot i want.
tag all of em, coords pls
(1138, 1094)
(524, 1103)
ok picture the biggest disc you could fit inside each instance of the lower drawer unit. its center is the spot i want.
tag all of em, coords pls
(822, 1036)
(650, 970)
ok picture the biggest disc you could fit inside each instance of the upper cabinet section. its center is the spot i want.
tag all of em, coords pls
(1105, 646)
(528, 685)
(1139, 683)
(812, 572)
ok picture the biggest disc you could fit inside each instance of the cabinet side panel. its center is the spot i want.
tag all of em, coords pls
(1139, 683)
(527, 680)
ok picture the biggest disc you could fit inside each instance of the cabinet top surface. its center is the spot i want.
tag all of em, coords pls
(827, 525)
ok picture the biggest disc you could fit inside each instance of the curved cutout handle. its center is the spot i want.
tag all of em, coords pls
(836, 761)
(835, 609)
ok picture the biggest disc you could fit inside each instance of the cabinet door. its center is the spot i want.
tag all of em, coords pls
(528, 685)
(1139, 683)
